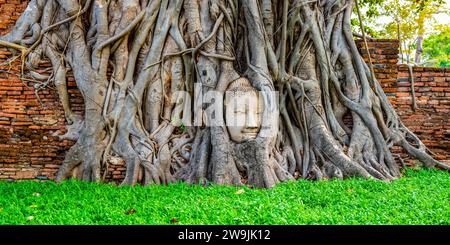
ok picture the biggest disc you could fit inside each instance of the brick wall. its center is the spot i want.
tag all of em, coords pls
(31, 119)
(430, 121)
(31, 149)
(10, 11)
(384, 54)
(29, 128)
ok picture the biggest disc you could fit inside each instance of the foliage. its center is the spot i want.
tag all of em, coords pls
(370, 11)
(412, 18)
(420, 197)
(437, 47)
(424, 4)
(403, 15)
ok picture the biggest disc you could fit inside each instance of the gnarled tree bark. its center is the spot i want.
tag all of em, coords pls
(143, 65)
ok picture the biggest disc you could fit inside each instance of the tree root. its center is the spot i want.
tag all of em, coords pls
(137, 63)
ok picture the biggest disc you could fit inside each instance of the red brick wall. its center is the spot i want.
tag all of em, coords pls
(430, 121)
(10, 11)
(30, 147)
(384, 54)
(29, 128)
(29, 144)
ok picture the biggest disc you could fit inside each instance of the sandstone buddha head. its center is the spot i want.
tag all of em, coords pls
(243, 109)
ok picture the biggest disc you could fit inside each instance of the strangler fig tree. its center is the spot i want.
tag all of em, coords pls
(225, 91)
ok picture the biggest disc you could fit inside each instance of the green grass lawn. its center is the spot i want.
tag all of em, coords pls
(420, 197)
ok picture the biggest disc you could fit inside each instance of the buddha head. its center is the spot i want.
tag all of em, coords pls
(243, 109)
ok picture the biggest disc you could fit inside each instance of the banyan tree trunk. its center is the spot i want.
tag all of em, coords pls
(155, 74)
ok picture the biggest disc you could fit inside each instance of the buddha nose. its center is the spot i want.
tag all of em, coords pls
(251, 120)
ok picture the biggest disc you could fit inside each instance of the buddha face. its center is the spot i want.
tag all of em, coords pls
(243, 109)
